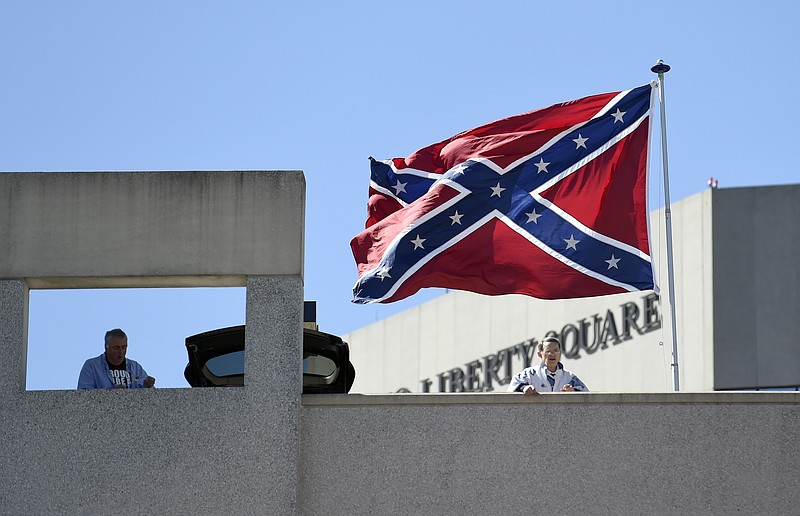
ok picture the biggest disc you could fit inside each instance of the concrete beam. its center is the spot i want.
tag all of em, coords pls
(72, 229)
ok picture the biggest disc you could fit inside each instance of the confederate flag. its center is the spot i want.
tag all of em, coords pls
(550, 204)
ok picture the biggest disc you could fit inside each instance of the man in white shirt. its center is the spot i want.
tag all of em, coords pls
(549, 376)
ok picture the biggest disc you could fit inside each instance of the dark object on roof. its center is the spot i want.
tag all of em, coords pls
(216, 359)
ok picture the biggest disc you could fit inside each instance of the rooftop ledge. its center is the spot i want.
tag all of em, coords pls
(503, 398)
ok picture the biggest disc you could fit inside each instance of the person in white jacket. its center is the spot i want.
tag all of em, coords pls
(549, 376)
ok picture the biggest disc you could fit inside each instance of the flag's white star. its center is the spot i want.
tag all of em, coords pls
(542, 165)
(580, 141)
(456, 218)
(533, 216)
(612, 262)
(399, 187)
(459, 169)
(383, 273)
(571, 242)
(418, 242)
(496, 190)
(618, 116)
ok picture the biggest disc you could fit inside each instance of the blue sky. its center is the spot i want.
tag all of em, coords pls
(320, 86)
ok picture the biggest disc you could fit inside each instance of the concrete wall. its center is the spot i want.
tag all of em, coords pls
(717, 453)
(154, 450)
(757, 287)
(162, 451)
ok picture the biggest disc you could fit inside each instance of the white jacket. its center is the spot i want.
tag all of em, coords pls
(537, 377)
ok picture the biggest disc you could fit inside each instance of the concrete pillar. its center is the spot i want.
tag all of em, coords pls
(273, 384)
(13, 337)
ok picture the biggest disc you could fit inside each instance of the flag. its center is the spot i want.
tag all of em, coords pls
(550, 204)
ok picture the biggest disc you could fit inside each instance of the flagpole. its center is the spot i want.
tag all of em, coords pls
(661, 68)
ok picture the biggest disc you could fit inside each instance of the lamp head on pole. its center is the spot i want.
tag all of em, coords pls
(660, 67)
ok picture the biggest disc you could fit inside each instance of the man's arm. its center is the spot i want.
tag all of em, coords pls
(519, 383)
(86, 378)
(575, 384)
(140, 378)
(529, 390)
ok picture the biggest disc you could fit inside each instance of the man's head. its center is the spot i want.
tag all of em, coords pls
(116, 346)
(550, 352)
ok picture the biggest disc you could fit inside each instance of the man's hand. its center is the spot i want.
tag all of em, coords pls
(529, 390)
(149, 381)
(568, 388)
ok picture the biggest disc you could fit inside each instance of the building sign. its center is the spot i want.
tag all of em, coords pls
(583, 337)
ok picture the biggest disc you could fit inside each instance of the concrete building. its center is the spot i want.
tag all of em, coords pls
(737, 285)
(266, 449)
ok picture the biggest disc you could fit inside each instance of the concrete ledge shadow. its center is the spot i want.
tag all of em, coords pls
(497, 398)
